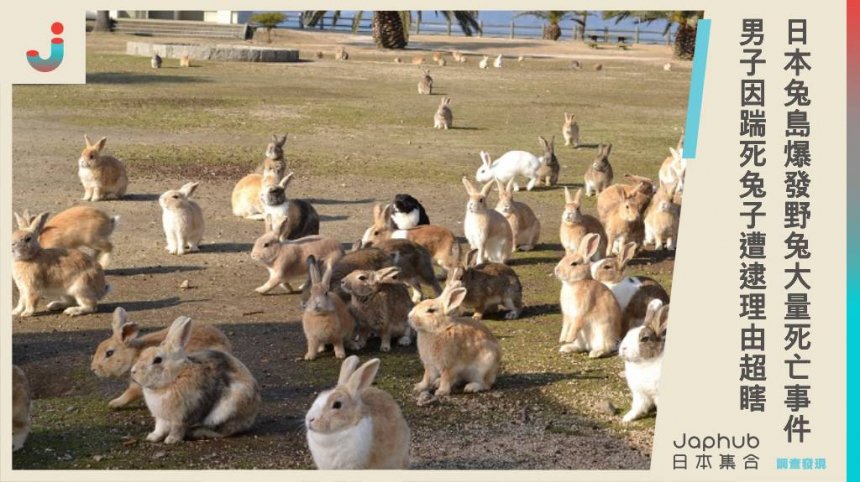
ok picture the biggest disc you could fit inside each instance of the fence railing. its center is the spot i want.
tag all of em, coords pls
(496, 30)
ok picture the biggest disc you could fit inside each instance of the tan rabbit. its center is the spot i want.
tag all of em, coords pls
(182, 219)
(185, 60)
(441, 62)
(67, 275)
(575, 225)
(103, 176)
(76, 227)
(662, 218)
(570, 130)
(524, 224)
(440, 242)
(326, 320)
(357, 258)
(633, 293)
(201, 394)
(277, 165)
(21, 407)
(443, 119)
(245, 199)
(341, 54)
(425, 85)
(380, 303)
(486, 230)
(286, 260)
(453, 350)
(591, 315)
(624, 225)
(599, 174)
(458, 57)
(488, 285)
(115, 356)
(640, 190)
(355, 426)
(418, 60)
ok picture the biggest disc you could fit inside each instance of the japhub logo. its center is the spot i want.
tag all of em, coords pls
(55, 58)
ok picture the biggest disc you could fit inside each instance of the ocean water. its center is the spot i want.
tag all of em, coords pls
(497, 24)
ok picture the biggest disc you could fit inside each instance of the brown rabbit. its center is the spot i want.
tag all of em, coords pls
(76, 227)
(624, 225)
(599, 174)
(488, 285)
(380, 304)
(525, 225)
(66, 274)
(20, 408)
(570, 130)
(592, 317)
(286, 259)
(326, 320)
(444, 118)
(453, 350)
(115, 356)
(103, 176)
(641, 190)
(415, 265)
(575, 225)
(549, 166)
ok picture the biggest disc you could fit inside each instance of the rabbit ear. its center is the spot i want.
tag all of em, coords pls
(568, 199)
(23, 222)
(676, 155)
(38, 223)
(347, 368)
(588, 246)
(389, 273)
(179, 333)
(485, 190)
(100, 144)
(653, 307)
(326, 277)
(566, 117)
(128, 332)
(386, 212)
(286, 180)
(280, 141)
(377, 212)
(362, 378)
(608, 150)
(552, 144)
(313, 270)
(283, 229)
(451, 299)
(627, 253)
(543, 142)
(455, 274)
(471, 258)
(470, 188)
(500, 186)
(189, 188)
(510, 187)
(120, 318)
(356, 246)
(577, 198)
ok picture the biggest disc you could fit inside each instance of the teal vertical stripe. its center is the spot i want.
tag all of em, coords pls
(697, 85)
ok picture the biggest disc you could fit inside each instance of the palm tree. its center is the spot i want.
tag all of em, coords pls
(686, 20)
(552, 31)
(391, 28)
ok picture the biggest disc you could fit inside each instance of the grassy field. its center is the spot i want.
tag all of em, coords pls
(358, 133)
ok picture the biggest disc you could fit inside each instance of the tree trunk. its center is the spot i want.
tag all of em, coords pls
(552, 32)
(685, 42)
(102, 21)
(388, 30)
(584, 19)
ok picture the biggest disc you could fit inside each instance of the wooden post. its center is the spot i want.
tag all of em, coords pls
(512, 30)
(418, 26)
(449, 27)
(668, 37)
(637, 33)
(481, 24)
(606, 34)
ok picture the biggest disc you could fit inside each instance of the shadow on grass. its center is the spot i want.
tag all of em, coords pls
(533, 260)
(341, 217)
(340, 201)
(647, 257)
(137, 78)
(140, 197)
(151, 270)
(144, 305)
(227, 248)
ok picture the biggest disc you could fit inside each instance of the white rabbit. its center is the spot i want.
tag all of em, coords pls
(497, 63)
(356, 426)
(642, 352)
(182, 219)
(673, 169)
(509, 166)
(484, 63)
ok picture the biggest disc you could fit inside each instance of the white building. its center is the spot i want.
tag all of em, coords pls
(214, 16)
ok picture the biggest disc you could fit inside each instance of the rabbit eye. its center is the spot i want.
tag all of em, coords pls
(480, 199)
(156, 360)
(266, 245)
(431, 310)
(573, 263)
(175, 196)
(336, 405)
(375, 233)
(362, 278)
(108, 353)
(27, 239)
(606, 266)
